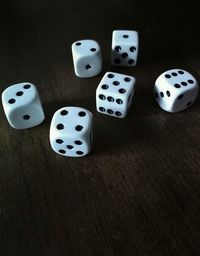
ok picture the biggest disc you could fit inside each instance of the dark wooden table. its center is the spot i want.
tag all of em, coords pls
(138, 192)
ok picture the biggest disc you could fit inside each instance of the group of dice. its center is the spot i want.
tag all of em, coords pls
(71, 127)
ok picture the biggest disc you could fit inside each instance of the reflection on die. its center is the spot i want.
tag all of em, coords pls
(114, 94)
(22, 106)
(71, 131)
(87, 58)
(175, 90)
(125, 44)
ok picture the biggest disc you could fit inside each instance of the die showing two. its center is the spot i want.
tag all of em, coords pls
(87, 58)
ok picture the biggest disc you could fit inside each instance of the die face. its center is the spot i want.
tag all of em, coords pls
(87, 58)
(84, 48)
(75, 121)
(71, 147)
(175, 90)
(26, 117)
(22, 106)
(124, 48)
(114, 94)
(184, 100)
(18, 95)
(89, 66)
(70, 131)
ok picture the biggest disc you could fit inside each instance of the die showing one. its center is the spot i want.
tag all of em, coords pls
(87, 58)
(124, 48)
(114, 94)
(71, 131)
(175, 90)
(22, 106)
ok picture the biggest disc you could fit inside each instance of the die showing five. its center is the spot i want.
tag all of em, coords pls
(125, 45)
(71, 127)
(71, 131)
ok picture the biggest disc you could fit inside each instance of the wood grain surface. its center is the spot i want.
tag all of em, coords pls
(138, 192)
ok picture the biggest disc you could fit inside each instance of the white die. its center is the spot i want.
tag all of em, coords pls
(87, 58)
(71, 131)
(22, 106)
(175, 90)
(124, 48)
(114, 94)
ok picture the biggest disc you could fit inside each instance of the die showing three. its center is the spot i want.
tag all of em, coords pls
(22, 106)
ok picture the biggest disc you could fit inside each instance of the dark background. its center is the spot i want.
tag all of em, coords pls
(138, 192)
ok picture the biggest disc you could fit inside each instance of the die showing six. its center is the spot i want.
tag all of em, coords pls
(71, 127)
(114, 94)
(175, 90)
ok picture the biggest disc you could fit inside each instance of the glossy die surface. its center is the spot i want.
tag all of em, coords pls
(71, 131)
(114, 94)
(175, 90)
(125, 45)
(22, 106)
(87, 58)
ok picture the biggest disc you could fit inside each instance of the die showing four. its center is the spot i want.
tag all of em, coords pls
(22, 106)
(87, 58)
(175, 90)
(71, 131)
(114, 94)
